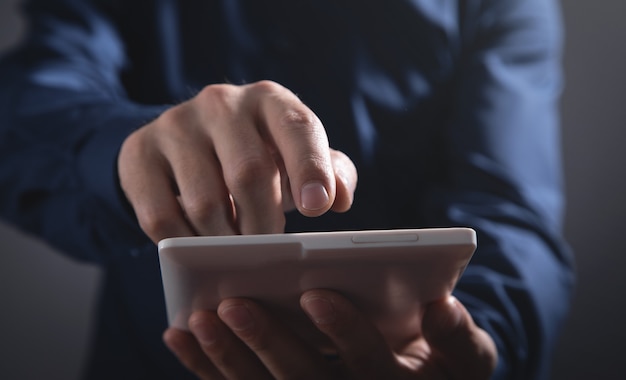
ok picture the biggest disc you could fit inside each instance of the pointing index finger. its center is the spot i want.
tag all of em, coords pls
(299, 136)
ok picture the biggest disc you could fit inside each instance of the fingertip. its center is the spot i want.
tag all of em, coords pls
(337, 317)
(319, 308)
(174, 339)
(443, 318)
(238, 315)
(203, 326)
(167, 336)
(328, 310)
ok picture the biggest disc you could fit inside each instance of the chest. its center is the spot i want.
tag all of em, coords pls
(377, 74)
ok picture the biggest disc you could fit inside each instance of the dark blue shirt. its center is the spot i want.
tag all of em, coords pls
(449, 110)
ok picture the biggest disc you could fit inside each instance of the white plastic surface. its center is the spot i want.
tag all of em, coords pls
(388, 274)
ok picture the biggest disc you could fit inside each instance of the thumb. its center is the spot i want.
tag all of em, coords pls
(466, 350)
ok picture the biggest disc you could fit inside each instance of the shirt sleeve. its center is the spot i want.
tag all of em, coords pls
(503, 177)
(64, 116)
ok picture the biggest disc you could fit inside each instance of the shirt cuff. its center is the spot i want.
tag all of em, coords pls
(97, 161)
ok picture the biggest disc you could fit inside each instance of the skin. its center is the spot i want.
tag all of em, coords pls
(262, 152)
(241, 341)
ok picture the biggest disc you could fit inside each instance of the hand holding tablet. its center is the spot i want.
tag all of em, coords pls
(389, 275)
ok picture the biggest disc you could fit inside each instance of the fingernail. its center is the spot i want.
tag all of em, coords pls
(320, 310)
(314, 196)
(237, 317)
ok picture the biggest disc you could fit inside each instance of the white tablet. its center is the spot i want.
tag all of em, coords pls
(388, 274)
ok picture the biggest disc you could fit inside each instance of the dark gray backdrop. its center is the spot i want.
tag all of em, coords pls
(47, 300)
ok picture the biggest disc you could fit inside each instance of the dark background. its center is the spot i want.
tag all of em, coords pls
(47, 300)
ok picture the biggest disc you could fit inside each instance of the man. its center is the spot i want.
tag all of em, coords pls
(447, 109)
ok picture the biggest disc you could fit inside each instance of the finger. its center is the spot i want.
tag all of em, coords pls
(227, 353)
(204, 197)
(301, 140)
(360, 345)
(457, 342)
(248, 168)
(346, 180)
(147, 183)
(282, 353)
(186, 349)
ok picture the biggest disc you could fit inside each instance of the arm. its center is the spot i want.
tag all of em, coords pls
(64, 116)
(504, 179)
(229, 160)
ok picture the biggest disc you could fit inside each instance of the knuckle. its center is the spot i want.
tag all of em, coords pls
(154, 224)
(203, 209)
(173, 116)
(314, 162)
(268, 86)
(173, 126)
(301, 120)
(216, 91)
(132, 143)
(136, 150)
(217, 97)
(251, 172)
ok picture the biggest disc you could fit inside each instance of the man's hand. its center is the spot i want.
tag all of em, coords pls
(241, 341)
(232, 160)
